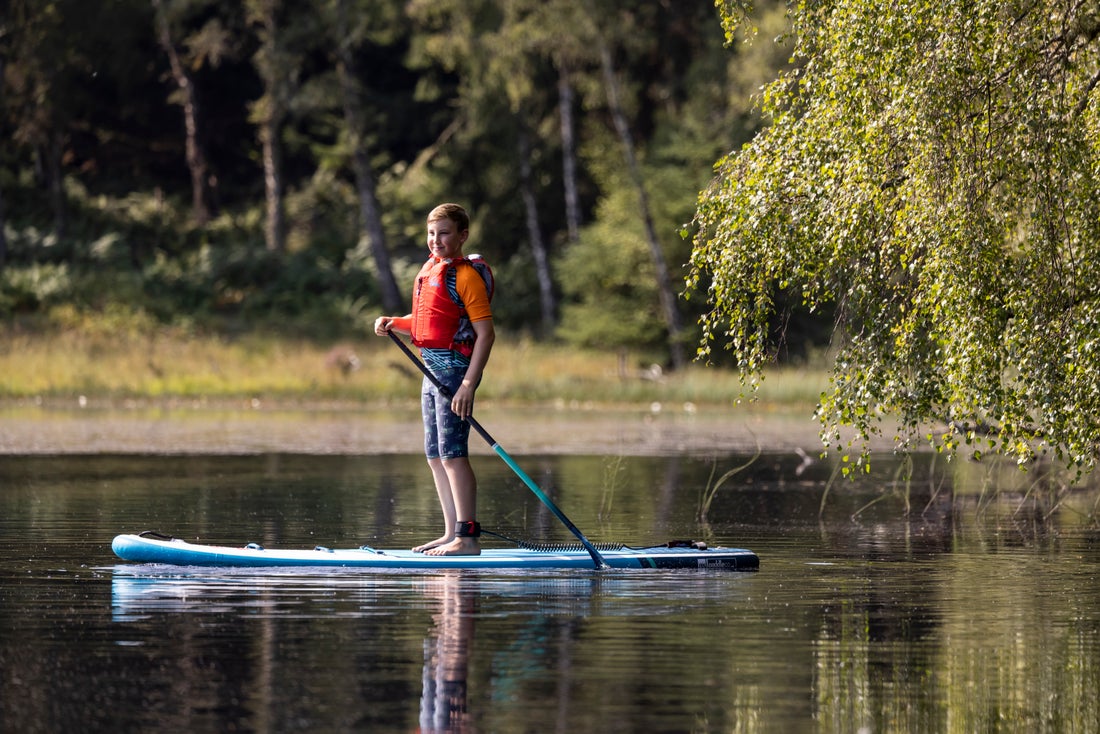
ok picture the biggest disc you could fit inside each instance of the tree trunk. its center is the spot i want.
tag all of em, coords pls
(55, 181)
(3, 237)
(370, 216)
(271, 113)
(568, 153)
(202, 193)
(665, 291)
(372, 230)
(274, 186)
(534, 233)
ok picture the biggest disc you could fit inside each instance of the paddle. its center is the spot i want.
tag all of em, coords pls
(596, 557)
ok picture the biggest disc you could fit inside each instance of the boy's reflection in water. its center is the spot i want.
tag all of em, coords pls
(446, 650)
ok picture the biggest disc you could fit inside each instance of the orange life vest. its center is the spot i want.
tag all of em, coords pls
(439, 318)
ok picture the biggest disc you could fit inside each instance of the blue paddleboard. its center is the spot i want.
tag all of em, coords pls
(151, 548)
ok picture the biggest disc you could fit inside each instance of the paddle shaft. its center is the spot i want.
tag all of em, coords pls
(596, 557)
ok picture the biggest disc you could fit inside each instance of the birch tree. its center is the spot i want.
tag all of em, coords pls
(278, 69)
(351, 23)
(186, 52)
(931, 171)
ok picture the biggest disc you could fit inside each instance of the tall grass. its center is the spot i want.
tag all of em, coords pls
(127, 358)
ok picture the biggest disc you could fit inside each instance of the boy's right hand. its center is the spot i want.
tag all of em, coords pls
(385, 324)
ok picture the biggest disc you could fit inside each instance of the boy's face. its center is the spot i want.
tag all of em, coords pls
(445, 240)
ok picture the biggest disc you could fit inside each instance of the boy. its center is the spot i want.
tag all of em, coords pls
(452, 323)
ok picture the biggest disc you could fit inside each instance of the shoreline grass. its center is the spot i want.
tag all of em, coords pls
(107, 364)
(138, 369)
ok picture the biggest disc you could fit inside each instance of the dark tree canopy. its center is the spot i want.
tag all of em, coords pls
(247, 161)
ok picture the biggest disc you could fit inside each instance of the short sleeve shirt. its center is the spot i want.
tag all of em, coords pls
(471, 290)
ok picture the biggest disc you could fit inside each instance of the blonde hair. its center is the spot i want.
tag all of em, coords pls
(454, 212)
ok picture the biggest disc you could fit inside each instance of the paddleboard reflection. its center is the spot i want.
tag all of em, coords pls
(385, 650)
(259, 605)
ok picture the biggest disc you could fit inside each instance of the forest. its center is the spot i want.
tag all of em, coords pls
(267, 164)
(911, 194)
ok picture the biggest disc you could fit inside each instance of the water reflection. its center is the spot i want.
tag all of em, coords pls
(979, 614)
(447, 657)
(446, 646)
(531, 657)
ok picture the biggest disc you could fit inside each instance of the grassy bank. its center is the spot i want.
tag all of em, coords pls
(107, 361)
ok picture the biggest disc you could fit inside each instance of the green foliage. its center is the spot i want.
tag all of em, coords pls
(31, 288)
(96, 183)
(931, 172)
(608, 283)
(147, 260)
(611, 309)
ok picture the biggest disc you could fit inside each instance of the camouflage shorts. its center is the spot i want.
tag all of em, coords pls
(446, 435)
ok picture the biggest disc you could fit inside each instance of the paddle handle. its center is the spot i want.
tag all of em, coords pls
(596, 557)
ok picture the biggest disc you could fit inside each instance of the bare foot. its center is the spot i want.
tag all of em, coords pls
(457, 547)
(433, 544)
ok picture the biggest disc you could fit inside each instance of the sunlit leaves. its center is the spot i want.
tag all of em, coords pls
(931, 170)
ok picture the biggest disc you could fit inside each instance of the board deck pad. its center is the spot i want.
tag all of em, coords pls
(153, 548)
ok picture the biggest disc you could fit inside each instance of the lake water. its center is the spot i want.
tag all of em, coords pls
(976, 611)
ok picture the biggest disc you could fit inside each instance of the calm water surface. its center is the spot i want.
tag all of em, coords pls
(976, 613)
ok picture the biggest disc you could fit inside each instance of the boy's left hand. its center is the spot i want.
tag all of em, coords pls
(463, 402)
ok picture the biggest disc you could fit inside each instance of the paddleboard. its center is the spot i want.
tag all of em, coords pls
(154, 548)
